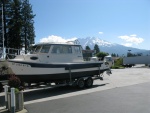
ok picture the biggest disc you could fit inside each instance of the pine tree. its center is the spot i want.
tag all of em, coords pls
(87, 48)
(96, 48)
(18, 23)
(27, 25)
(15, 25)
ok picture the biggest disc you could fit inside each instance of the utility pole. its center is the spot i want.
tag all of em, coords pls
(3, 32)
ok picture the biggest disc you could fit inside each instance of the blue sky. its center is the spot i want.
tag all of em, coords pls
(125, 22)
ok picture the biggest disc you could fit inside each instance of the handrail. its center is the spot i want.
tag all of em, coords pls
(11, 52)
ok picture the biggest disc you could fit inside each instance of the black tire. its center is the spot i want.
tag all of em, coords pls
(80, 83)
(1, 87)
(89, 82)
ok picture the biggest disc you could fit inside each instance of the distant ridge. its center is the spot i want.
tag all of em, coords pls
(109, 47)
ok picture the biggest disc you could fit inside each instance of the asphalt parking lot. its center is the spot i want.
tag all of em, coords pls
(125, 91)
(129, 99)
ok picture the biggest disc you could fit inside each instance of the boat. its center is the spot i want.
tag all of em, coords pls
(51, 62)
(109, 59)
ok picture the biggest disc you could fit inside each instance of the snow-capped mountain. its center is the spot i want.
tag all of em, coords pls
(109, 47)
(91, 41)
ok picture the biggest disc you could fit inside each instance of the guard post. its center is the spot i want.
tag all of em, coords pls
(6, 91)
(13, 103)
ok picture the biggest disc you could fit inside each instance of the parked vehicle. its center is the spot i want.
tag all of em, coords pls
(131, 61)
(55, 63)
(109, 60)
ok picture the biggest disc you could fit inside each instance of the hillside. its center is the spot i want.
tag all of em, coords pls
(109, 47)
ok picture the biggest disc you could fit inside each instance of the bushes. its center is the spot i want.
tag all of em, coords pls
(118, 64)
(117, 67)
(15, 82)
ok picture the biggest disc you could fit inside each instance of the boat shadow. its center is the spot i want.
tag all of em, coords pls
(50, 92)
(40, 93)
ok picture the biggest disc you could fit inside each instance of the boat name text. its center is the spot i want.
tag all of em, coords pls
(18, 64)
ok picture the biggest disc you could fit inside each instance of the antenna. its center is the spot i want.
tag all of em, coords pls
(76, 41)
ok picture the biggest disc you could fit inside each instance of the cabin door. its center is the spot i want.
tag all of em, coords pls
(44, 54)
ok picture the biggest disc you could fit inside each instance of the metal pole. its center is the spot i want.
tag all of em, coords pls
(13, 103)
(3, 31)
(70, 75)
(6, 91)
(99, 69)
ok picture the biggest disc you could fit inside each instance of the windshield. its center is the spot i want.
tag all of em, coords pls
(64, 49)
(34, 49)
(108, 58)
(45, 49)
(39, 48)
(31, 49)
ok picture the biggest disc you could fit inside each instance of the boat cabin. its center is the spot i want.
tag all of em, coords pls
(53, 53)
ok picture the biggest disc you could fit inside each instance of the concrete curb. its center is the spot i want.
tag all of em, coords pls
(6, 111)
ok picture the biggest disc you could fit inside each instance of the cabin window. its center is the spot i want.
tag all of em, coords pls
(77, 49)
(45, 49)
(32, 49)
(108, 58)
(37, 49)
(64, 49)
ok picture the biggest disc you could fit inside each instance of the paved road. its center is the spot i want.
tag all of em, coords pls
(96, 99)
(130, 99)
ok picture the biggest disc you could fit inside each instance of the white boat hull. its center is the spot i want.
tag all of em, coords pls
(38, 72)
(51, 62)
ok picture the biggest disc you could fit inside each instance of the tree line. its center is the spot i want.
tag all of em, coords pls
(18, 24)
(98, 53)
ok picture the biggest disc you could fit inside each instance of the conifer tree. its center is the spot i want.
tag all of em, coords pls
(87, 48)
(19, 29)
(15, 25)
(96, 48)
(27, 24)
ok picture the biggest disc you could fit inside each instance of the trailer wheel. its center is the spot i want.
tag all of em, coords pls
(1, 87)
(80, 83)
(89, 82)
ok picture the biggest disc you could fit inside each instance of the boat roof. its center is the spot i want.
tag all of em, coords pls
(56, 43)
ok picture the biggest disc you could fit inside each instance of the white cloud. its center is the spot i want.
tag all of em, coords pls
(100, 33)
(134, 35)
(132, 39)
(54, 38)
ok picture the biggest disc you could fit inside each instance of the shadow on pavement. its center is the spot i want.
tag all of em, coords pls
(48, 92)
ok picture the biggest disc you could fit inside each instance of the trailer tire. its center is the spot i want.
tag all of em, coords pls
(80, 83)
(89, 82)
(1, 87)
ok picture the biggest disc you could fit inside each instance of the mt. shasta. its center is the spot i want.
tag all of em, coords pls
(108, 47)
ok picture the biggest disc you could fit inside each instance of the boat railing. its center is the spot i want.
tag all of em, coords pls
(10, 53)
(75, 42)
